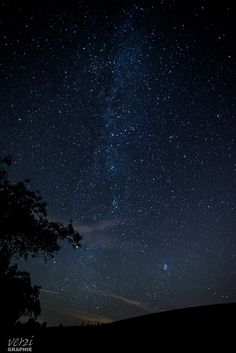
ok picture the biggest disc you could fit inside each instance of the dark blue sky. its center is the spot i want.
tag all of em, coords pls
(122, 114)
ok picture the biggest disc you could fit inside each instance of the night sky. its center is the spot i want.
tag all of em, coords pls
(122, 114)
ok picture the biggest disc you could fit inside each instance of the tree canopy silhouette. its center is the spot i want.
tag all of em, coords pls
(25, 230)
(17, 296)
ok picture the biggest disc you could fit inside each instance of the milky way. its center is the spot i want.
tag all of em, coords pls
(122, 114)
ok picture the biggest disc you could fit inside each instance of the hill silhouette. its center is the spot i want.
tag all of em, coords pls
(212, 323)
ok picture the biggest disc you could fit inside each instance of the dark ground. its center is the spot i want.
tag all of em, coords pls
(192, 327)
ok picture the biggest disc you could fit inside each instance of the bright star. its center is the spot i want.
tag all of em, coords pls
(165, 267)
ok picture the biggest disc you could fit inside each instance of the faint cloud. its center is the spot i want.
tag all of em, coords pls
(125, 300)
(94, 318)
(98, 227)
(98, 235)
(101, 235)
(69, 318)
(131, 302)
(48, 291)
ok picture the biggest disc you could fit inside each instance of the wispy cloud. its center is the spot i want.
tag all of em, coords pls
(100, 234)
(72, 318)
(49, 291)
(97, 227)
(93, 318)
(125, 300)
(131, 302)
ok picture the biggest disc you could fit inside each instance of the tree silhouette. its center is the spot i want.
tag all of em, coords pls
(17, 297)
(25, 230)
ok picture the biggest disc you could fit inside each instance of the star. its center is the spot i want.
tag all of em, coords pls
(165, 267)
